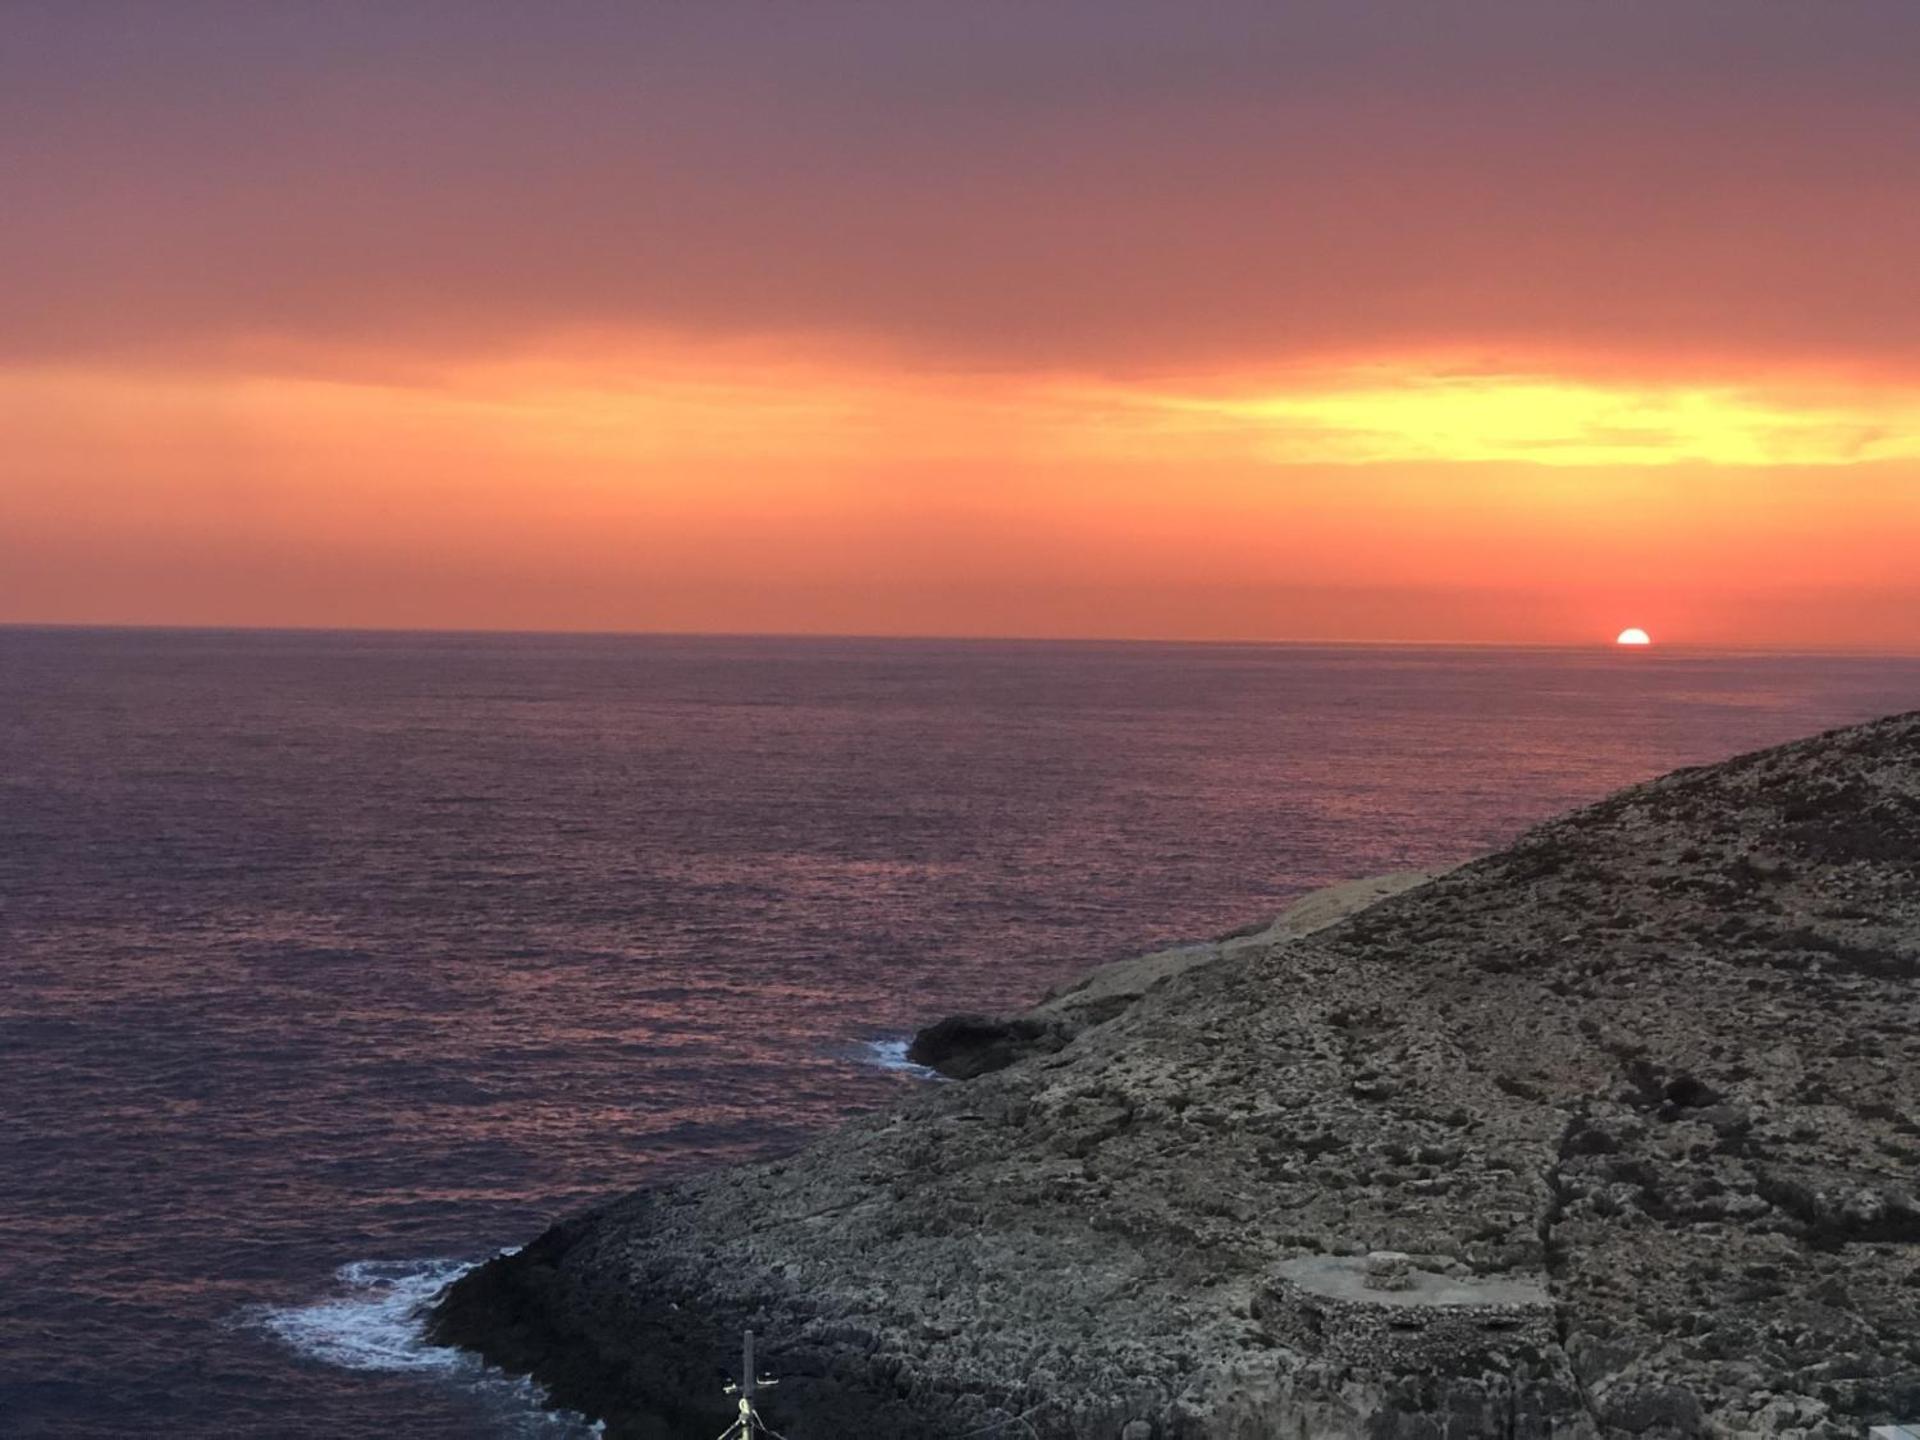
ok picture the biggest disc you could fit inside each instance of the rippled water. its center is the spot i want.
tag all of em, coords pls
(333, 962)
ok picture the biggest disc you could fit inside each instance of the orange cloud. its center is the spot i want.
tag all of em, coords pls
(644, 486)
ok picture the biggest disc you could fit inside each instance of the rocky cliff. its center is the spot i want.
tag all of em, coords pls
(1638, 1099)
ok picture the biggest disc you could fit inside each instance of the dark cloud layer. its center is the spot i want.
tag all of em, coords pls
(1102, 186)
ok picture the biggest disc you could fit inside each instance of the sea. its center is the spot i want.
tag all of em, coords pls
(332, 963)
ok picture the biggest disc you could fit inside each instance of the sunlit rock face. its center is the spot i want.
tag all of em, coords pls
(1632, 1108)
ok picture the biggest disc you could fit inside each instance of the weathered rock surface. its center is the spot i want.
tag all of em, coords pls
(1638, 1098)
(963, 1047)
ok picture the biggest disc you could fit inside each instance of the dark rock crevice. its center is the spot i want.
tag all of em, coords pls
(1576, 1138)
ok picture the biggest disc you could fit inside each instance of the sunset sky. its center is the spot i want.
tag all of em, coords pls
(1488, 320)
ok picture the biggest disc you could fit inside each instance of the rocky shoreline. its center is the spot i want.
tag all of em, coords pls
(1637, 1099)
(962, 1047)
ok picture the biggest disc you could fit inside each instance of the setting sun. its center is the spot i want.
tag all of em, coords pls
(1634, 635)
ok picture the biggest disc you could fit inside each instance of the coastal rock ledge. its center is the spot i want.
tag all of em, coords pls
(1634, 1105)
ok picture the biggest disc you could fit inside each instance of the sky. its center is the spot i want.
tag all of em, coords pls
(1484, 321)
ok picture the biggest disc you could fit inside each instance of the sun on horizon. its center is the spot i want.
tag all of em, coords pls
(1633, 635)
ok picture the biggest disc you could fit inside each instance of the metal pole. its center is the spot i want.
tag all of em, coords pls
(749, 1385)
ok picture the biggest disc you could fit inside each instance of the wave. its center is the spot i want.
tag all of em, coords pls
(377, 1321)
(892, 1055)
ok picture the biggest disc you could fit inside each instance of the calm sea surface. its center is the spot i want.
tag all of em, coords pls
(329, 963)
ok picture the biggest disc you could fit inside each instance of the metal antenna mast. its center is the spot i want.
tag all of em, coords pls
(749, 1423)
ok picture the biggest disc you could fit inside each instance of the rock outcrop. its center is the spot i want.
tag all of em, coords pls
(963, 1047)
(1638, 1099)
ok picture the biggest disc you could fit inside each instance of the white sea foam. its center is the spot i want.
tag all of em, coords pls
(892, 1055)
(376, 1321)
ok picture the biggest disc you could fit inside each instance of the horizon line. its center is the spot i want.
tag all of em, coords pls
(1224, 642)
